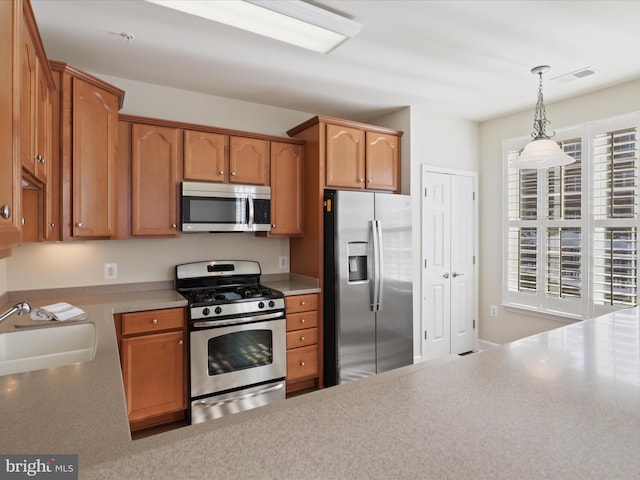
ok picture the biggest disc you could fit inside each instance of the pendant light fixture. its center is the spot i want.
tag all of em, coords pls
(541, 152)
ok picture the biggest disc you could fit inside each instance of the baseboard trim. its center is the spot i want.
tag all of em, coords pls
(485, 345)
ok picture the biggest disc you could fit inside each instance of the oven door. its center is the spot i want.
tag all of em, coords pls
(234, 356)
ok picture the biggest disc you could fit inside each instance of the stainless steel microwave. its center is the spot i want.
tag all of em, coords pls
(217, 207)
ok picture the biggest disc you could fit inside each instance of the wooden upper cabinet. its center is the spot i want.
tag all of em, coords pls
(248, 161)
(35, 108)
(205, 156)
(345, 157)
(95, 123)
(286, 189)
(86, 113)
(27, 100)
(10, 160)
(381, 161)
(155, 178)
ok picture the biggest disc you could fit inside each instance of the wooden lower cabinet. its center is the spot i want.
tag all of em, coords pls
(153, 355)
(303, 347)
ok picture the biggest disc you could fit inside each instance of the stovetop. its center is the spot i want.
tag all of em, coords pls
(221, 288)
(228, 294)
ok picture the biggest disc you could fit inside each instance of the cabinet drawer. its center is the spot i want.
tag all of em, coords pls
(302, 363)
(152, 321)
(301, 303)
(297, 321)
(302, 338)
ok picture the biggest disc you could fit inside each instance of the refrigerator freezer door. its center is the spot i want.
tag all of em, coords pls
(355, 321)
(395, 317)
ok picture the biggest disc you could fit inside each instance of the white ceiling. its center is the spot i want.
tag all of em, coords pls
(469, 59)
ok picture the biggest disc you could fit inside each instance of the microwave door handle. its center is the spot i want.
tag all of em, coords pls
(251, 212)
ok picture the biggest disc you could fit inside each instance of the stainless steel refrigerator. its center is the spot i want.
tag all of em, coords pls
(368, 307)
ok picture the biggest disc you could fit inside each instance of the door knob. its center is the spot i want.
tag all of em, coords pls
(446, 275)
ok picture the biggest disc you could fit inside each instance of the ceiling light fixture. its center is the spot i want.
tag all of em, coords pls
(541, 152)
(291, 21)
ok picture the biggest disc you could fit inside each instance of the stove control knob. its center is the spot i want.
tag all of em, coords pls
(261, 305)
(218, 310)
(206, 311)
(272, 303)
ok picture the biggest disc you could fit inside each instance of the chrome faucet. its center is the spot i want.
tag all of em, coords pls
(21, 308)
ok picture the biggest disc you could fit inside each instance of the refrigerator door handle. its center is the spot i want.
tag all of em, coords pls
(376, 233)
(380, 269)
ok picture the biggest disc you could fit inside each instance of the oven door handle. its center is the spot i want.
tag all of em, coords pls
(238, 321)
(205, 404)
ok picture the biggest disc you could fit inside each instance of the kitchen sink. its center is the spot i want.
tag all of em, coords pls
(36, 349)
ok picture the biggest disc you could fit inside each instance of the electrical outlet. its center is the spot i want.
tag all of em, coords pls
(110, 271)
(283, 262)
(493, 310)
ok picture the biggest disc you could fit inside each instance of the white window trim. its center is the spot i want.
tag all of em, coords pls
(539, 304)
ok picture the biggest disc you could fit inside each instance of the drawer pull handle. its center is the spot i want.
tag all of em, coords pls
(302, 364)
(302, 338)
(154, 321)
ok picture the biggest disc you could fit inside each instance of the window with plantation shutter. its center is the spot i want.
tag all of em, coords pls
(571, 246)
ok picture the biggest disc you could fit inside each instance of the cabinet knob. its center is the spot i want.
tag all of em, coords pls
(173, 225)
(302, 364)
(361, 180)
(154, 321)
(180, 342)
(302, 338)
(302, 320)
(368, 181)
(79, 224)
(303, 303)
(233, 174)
(221, 172)
(52, 224)
(5, 212)
(273, 225)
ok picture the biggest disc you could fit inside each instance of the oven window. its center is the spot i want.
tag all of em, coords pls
(239, 350)
(215, 210)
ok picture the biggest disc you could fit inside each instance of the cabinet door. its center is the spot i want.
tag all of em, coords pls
(42, 125)
(345, 157)
(249, 161)
(95, 123)
(155, 176)
(205, 156)
(28, 96)
(382, 161)
(10, 189)
(286, 189)
(153, 374)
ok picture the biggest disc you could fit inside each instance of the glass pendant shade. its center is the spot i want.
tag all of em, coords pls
(542, 153)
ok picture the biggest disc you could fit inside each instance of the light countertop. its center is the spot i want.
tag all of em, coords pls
(562, 404)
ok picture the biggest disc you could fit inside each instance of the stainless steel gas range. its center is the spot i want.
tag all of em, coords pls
(237, 333)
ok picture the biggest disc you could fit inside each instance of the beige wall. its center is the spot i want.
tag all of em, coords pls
(610, 102)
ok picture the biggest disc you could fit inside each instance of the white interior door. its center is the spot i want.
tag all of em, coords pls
(436, 251)
(448, 241)
(462, 274)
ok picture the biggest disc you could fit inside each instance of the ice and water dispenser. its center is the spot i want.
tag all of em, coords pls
(357, 253)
